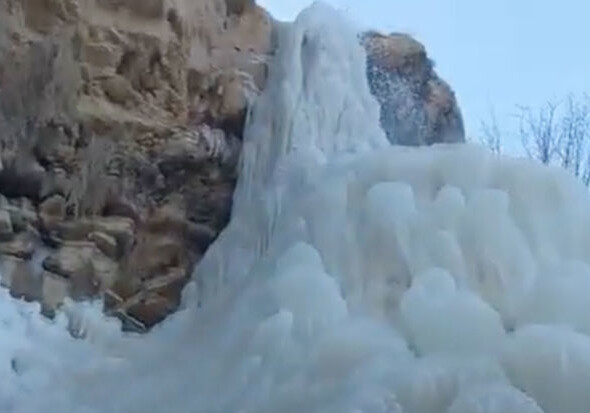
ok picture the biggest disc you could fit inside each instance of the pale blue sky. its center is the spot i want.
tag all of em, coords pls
(496, 53)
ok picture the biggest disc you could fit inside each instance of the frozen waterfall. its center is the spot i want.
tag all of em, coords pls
(354, 277)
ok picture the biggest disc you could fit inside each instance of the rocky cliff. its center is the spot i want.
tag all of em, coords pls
(120, 124)
(120, 127)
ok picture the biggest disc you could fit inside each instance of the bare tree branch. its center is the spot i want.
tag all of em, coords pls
(538, 132)
(575, 135)
(556, 133)
(491, 136)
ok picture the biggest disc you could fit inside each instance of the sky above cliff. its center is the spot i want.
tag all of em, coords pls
(495, 54)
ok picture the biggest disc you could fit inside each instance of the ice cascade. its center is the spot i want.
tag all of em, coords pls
(354, 276)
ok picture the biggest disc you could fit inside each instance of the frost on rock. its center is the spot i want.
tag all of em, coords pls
(354, 276)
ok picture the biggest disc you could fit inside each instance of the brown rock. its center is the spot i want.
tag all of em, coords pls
(106, 271)
(118, 89)
(24, 284)
(234, 95)
(152, 309)
(106, 244)
(122, 229)
(52, 211)
(159, 263)
(78, 230)
(154, 254)
(199, 236)
(71, 262)
(22, 246)
(227, 99)
(10, 267)
(152, 9)
(168, 285)
(54, 206)
(55, 289)
(239, 6)
(417, 107)
(192, 149)
(116, 306)
(23, 214)
(101, 55)
(43, 16)
(87, 269)
(396, 52)
(122, 208)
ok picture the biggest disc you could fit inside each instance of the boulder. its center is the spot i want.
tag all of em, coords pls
(106, 270)
(417, 107)
(141, 311)
(117, 227)
(121, 229)
(101, 55)
(77, 230)
(20, 278)
(87, 269)
(22, 246)
(75, 265)
(55, 289)
(106, 244)
(23, 214)
(190, 150)
(118, 89)
(152, 309)
(52, 211)
(169, 284)
(9, 266)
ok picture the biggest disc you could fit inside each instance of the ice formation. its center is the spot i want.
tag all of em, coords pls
(354, 276)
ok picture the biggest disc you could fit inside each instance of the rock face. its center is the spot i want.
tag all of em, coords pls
(417, 107)
(120, 127)
(120, 134)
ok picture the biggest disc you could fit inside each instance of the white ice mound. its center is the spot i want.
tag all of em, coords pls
(495, 399)
(353, 277)
(552, 365)
(429, 305)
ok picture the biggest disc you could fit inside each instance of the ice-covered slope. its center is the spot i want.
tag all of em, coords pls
(354, 276)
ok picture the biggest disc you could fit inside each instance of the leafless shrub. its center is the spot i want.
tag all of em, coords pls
(539, 132)
(490, 134)
(574, 137)
(557, 133)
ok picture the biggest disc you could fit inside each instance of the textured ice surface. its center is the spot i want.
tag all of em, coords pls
(354, 276)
